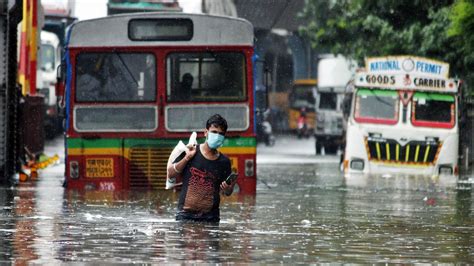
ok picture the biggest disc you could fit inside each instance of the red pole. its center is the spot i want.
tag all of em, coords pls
(24, 50)
(33, 45)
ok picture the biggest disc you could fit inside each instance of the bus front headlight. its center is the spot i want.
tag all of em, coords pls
(249, 167)
(74, 169)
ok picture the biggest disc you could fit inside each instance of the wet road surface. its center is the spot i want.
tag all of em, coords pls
(304, 212)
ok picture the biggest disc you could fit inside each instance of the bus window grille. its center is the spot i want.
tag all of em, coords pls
(147, 167)
(414, 152)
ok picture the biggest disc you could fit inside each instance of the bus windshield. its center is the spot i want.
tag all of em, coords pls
(376, 106)
(115, 77)
(210, 77)
(433, 110)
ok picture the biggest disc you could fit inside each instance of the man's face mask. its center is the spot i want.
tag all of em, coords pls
(215, 140)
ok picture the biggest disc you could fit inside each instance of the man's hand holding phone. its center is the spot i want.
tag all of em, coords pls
(228, 185)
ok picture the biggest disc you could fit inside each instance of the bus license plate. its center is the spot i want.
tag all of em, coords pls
(100, 167)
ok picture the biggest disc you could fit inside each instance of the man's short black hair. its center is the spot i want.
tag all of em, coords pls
(218, 121)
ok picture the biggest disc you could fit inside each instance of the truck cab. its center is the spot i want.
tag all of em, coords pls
(334, 73)
(49, 58)
(403, 119)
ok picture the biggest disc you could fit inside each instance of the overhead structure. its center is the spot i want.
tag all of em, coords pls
(130, 6)
(219, 7)
(271, 14)
(285, 52)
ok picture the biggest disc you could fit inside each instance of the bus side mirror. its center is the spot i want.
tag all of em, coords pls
(61, 72)
(267, 79)
(60, 80)
(261, 88)
(59, 88)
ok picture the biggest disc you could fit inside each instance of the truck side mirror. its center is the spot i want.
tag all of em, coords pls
(346, 104)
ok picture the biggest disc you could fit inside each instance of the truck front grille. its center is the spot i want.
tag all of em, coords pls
(414, 152)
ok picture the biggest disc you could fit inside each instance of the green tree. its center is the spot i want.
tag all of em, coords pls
(367, 28)
(462, 30)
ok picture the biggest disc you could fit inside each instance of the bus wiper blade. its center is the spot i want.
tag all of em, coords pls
(126, 67)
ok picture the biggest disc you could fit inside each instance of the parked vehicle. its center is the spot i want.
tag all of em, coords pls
(49, 58)
(403, 119)
(301, 98)
(333, 75)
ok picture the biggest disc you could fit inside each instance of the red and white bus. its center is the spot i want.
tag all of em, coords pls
(125, 104)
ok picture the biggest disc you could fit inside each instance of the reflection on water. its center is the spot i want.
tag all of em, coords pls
(24, 236)
(305, 213)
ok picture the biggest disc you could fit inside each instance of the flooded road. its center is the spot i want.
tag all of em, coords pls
(305, 211)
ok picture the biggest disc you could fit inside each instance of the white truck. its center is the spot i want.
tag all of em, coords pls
(49, 57)
(403, 119)
(333, 75)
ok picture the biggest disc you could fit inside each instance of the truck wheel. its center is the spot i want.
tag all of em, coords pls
(331, 149)
(318, 146)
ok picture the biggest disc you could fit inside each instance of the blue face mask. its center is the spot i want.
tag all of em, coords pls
(214, 140)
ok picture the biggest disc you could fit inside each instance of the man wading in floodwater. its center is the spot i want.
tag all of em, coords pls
(204, 171)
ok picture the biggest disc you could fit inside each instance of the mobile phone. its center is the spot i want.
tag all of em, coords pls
(231, 178)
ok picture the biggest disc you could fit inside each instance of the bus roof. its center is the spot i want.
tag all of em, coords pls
(113, 31)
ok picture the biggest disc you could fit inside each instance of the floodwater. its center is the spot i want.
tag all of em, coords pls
(305, 211)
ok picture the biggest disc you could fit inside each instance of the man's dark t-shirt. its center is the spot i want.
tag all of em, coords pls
(200, 198)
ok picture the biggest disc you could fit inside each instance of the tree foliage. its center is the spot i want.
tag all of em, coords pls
(366, 28)
(462, 30)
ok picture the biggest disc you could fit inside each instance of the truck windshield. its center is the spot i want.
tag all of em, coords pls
(433, 110)
(328, 100)
(115, 77)
(47, 57)
(376, 106)
(209, 76)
